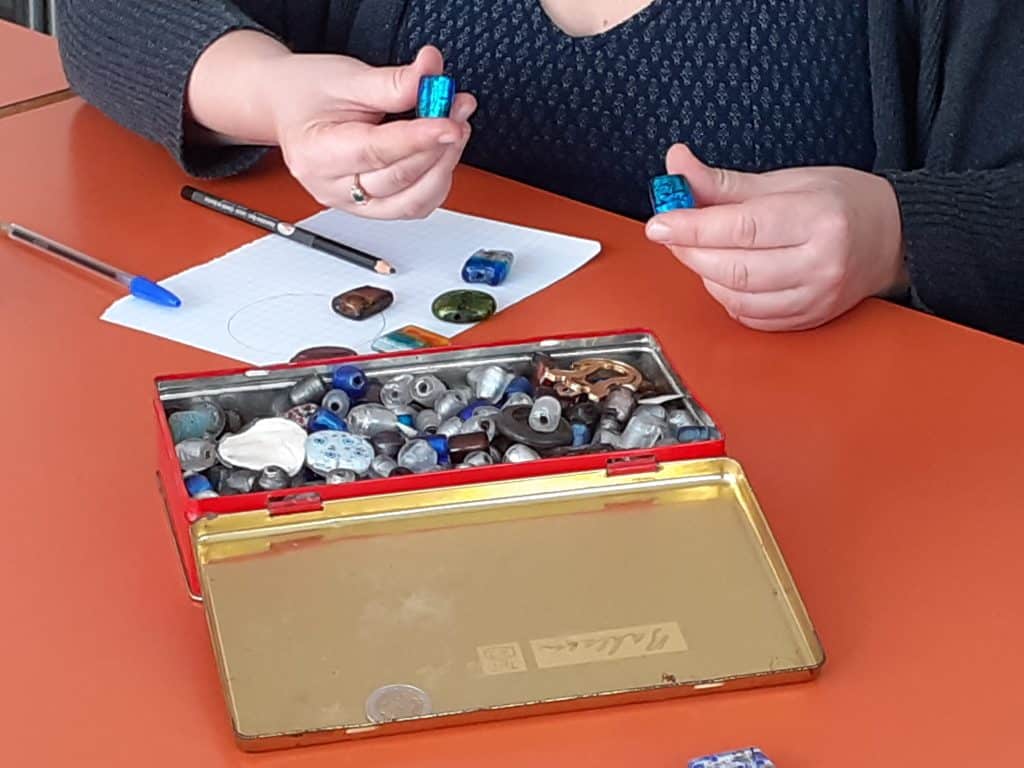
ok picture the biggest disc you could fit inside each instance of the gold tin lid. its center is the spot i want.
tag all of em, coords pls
(427, 608)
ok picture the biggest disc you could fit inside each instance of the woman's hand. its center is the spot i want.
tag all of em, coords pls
(789, 249)
(326, 114)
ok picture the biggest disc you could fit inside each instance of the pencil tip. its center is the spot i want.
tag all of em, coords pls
(6, 227)
(384, 268)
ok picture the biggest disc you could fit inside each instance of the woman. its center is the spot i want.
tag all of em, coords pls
(848, 148)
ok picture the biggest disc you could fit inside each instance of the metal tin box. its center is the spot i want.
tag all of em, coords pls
(397, 604)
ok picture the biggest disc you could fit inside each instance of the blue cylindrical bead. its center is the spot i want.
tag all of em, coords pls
(351, 379)
(581, 434)
(469, 410)
(325, 418)
(670, 192)
(520, 384)
(697, 434)
(435, 97)
(197, 485)
(440, 444)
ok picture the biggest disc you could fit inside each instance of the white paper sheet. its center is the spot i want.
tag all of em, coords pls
(267, 300)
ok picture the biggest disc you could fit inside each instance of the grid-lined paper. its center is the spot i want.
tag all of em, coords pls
(267, 300)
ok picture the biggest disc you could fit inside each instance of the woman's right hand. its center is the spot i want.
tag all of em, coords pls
(326, 114)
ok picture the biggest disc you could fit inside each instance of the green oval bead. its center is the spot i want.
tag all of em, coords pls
(464, 306)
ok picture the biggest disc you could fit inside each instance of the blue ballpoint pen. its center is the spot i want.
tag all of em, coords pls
(138, 286)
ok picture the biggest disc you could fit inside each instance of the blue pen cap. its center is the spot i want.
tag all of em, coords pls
(670, 192)
(147, 290)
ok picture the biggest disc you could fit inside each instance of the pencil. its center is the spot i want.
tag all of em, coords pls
(287, 230)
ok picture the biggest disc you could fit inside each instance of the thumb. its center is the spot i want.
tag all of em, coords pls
(394, 89)
(711, 186)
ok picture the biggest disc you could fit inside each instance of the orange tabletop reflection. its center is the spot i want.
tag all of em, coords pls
(30, 69)
(885, 449)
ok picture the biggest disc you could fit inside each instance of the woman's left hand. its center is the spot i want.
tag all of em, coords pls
(788, 249)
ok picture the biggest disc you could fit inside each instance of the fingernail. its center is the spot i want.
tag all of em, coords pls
(658, 231)
(448, 138)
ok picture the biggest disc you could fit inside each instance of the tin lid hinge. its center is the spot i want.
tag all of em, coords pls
(632, 465)
(293, 503)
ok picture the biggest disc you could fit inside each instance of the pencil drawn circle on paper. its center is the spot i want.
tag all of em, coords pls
(396, 702)
(280, 325)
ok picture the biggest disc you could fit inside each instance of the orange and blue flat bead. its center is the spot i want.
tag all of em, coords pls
(670, 192)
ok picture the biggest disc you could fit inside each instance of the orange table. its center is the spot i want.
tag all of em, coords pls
(885, 449)
(31, 71)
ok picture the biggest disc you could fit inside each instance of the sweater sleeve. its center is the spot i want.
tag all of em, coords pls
(962, 200)
(964, 238)
(132, 59)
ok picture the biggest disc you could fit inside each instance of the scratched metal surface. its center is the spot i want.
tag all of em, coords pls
(498, 598)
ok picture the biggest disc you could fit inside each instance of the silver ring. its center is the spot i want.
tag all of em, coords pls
(359, 195)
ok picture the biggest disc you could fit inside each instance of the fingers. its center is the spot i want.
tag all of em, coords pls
(775, 269)
(794, 323)
(393, 89)
(764, 222)
(463, 107)
(776, 305)
(711, 186)
(354, 147)
(380, 146)
(422, 197)
(403, 174)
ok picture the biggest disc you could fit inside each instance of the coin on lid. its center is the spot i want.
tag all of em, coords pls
(396, 702)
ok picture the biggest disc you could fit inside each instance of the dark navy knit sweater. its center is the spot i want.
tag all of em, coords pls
(753, 85)
(946, 98)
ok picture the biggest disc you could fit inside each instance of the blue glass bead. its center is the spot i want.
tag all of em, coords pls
(740, 758)
(467, 412)
(351, 379)
(199, 486)
(325, 418)
(670, 192)
(520, 384)
(581, 434)
(202, 421)
(696, 434)
(440, 444)
(327, 451)
(487, 266)
(436, 94)
(408, 419)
